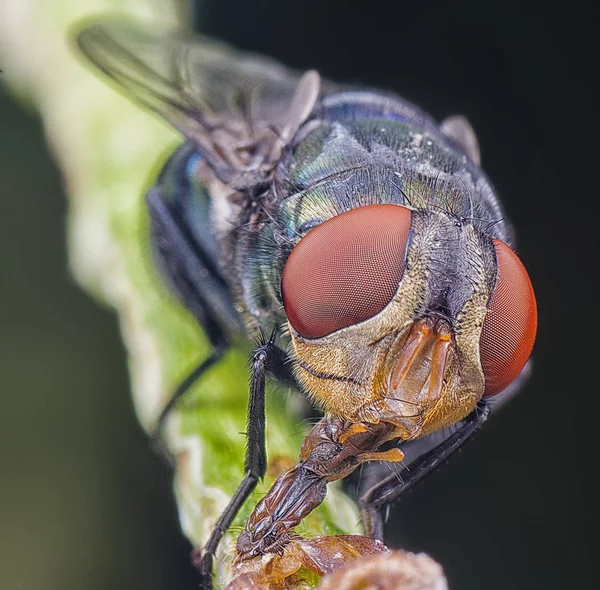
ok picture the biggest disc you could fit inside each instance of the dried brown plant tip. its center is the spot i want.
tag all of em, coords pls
(302, 562)
(393, 570)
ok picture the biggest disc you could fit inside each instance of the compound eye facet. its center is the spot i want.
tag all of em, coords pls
(345, 270)
(510, 325)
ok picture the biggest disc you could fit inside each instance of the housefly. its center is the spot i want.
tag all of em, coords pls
(358, 232)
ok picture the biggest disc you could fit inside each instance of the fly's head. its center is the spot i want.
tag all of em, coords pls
(406, 316)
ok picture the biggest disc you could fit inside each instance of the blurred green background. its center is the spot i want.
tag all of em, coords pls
(83, 501)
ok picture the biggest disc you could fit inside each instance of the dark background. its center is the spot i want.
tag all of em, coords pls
(85, 504)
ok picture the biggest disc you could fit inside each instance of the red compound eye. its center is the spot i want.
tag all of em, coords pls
(346, 269)
(510, 325)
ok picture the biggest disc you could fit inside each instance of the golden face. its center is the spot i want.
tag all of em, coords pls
(413, 360)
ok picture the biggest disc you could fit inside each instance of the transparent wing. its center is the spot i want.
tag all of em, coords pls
(239, 109)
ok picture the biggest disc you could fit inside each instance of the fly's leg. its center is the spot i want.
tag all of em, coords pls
(189, 268)
(182, 389)
(267, 358)
(390, 489)
(189, 264)
(219, 347)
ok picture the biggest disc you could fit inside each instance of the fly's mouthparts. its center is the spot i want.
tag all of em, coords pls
(415, 343)
(424, 351)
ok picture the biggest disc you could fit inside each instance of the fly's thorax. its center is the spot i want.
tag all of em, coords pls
(416, 363)
(369, 148)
